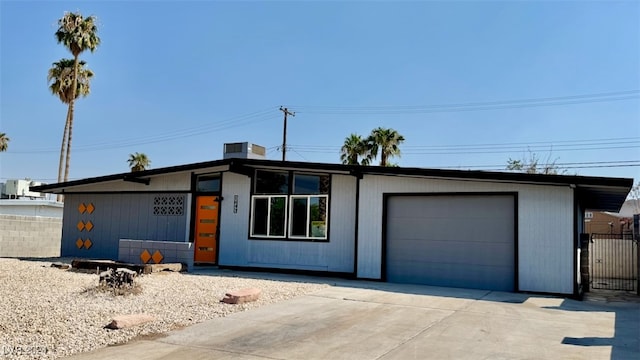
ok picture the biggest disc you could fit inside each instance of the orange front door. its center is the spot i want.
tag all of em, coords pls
(206, 228)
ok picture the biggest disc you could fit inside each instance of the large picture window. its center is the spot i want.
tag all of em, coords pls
(290, 205)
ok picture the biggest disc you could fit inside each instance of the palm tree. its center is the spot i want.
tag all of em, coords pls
(4, 142)
(353, 148)
(60, 78)
(77, 34)
(138, 161)
(387, 141)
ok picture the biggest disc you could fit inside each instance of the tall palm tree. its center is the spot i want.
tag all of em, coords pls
(77, 34)
(354, 147)
(387, 141)
(4, 142)
(60, 79)
(138, 161)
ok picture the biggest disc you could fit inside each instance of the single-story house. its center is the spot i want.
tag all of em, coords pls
(475, 229)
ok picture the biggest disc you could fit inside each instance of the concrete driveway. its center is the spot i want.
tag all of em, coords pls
(362, 320)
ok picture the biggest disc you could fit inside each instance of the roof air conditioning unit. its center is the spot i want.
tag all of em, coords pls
(244, 150)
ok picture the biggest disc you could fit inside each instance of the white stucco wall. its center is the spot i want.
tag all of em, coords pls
(43, 208)
(545, 227)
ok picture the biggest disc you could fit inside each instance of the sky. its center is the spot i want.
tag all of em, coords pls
(468, 84)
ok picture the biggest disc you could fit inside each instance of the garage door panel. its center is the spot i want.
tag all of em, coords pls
(461, 253)
(460, 207)
(451, 240)
(452, 275)
(448, 229)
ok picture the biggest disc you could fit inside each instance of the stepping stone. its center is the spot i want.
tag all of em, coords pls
(241, 296)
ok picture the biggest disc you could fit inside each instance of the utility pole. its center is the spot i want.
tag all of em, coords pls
(284, 133)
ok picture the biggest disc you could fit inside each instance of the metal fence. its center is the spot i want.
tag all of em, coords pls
(614, 262)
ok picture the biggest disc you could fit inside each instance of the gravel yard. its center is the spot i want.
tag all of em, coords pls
(48, 313)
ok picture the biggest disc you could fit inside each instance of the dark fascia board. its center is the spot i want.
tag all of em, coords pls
(583, 182)
(127, 175)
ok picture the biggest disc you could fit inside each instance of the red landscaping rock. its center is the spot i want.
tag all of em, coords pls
(242, 296)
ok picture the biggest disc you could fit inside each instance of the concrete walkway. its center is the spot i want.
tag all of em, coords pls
(361, 320)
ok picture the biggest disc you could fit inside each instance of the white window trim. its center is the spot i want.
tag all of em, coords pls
(286, 213)
(290, 216)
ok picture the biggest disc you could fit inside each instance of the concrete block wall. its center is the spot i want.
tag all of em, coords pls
(30, 236)
(129, 251)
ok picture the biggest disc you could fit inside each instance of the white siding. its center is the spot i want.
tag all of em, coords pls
(167, 182)
(237, 249)
(234, 227)
(545, 227)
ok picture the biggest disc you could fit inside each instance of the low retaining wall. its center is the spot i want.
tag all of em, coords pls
(30, 236)
(155, 252)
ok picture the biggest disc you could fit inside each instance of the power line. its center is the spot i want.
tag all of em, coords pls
(474, 106)
(562, 145)
(237, 121)
(612, 162)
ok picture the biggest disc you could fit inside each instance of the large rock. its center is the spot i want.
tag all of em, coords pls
(241, 296)
(127, 321)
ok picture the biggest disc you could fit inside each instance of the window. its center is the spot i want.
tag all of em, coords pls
(271, 182)
(208, 183)
(308, 217)
(299, 211)
(269, 216)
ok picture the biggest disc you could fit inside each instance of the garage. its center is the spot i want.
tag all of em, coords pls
(452, 240)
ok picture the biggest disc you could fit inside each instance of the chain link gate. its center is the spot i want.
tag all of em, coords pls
(613, 262)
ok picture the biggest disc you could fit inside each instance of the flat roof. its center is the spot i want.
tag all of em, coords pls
(596, 193)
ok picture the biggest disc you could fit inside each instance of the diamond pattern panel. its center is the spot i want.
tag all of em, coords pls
(88, 225)
(80, 225)
(82, 208)
(79, 243)
(87, 243)
(157, 257)
(90, 208)
(145, 256)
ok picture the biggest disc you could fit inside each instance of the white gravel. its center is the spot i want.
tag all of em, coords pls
(48, 313)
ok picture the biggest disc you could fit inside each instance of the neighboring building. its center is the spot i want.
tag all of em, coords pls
(17, 189)
(605, 222)
(475, 229)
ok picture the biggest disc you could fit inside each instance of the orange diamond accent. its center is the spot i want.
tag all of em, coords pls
(145, 256)
(88, 225)
(87, 243)
(79, 243)
(157, 257)
(80, 225)
(82, 208)
(90, 208)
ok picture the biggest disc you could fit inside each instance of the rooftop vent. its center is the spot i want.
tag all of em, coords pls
(244, 150)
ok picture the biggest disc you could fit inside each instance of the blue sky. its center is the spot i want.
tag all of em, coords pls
(469, 84)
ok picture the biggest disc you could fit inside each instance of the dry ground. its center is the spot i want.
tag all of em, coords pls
(48, 313)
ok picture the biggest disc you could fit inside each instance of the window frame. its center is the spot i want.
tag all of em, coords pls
(289, 196)
(308, 224)
(252, 216)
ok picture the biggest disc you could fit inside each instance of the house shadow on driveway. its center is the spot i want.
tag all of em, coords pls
(625, 340)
